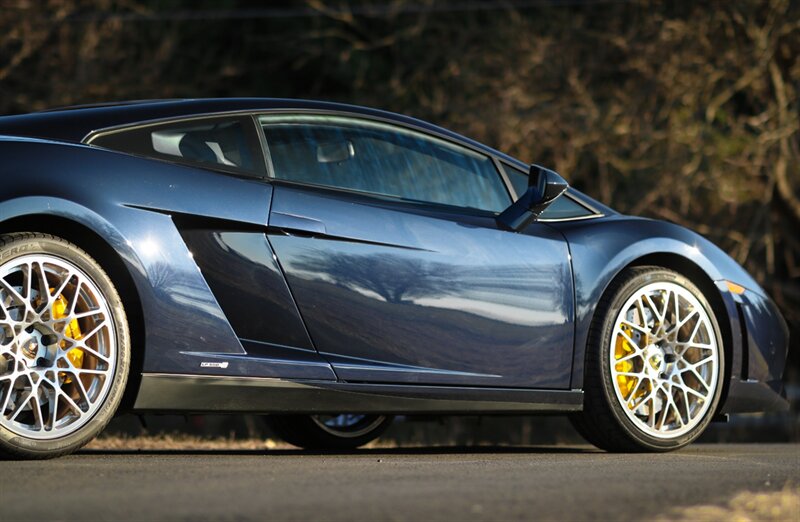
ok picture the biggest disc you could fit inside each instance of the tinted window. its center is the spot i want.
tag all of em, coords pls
(382, 159)
(224, 143)
(562, 208)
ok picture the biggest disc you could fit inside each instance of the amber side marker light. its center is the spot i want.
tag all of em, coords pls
(734, 288)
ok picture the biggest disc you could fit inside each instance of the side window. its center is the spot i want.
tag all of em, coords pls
(228, 143)
(381, 159)
(562, 208)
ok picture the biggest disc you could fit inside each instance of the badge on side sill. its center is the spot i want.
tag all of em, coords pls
(206, 364)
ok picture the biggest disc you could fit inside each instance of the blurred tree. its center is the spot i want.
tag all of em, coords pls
(677, 110)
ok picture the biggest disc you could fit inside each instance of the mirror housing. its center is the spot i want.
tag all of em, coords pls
(544, 187)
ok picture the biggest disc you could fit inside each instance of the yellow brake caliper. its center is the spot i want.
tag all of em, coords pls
(73, 331)
(627, 383)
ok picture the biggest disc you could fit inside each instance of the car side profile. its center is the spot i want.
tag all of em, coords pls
(331, 266)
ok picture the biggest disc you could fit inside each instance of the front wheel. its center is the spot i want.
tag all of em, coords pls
(64, 347)
(654, 364)
(345, 431)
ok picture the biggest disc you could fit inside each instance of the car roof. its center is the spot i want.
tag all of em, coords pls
(74, 123)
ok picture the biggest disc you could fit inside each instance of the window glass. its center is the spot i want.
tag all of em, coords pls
(225, 143)
(562, 208)
(382, 159)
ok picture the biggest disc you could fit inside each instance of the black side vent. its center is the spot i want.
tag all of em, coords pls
(745, 344)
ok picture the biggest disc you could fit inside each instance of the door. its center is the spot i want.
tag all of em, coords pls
(388, 242)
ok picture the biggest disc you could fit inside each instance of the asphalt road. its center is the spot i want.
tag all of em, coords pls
(543, 483)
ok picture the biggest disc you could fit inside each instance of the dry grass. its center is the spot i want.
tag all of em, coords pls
(185, 442)
(777, 506)
(181, 442)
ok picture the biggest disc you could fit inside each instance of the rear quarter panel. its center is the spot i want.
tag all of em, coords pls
(129, 202)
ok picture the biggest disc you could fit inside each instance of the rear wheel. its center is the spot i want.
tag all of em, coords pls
(64, 347)
(654, 364)
(345, 431)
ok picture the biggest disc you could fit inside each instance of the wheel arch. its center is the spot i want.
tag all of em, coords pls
(112, 263)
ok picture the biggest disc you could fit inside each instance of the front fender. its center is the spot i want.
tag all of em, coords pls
(602, 248)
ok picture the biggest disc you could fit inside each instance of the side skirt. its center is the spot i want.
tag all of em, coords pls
(219, 394)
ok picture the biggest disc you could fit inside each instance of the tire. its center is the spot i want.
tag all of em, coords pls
(653, 375)
(329, 432)
(64, 347)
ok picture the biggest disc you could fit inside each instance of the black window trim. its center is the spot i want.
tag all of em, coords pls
(243, 116)
(254, 115)
(390, 123)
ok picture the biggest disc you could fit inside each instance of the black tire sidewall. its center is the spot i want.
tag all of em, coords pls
(15, 445)
(628, 288)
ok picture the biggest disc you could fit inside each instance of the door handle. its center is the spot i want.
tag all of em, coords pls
(292, 222)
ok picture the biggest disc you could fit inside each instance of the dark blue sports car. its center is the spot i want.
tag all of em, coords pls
(330, 266)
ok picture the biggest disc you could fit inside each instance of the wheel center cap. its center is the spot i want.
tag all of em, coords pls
(33, 346)
(29, 344)
(655, 359)
(30, 348)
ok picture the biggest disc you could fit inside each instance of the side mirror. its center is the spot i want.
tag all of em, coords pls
(544, 187)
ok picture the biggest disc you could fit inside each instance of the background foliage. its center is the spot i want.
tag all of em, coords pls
(677, 110)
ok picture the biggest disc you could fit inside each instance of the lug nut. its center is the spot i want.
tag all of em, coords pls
(49, 339)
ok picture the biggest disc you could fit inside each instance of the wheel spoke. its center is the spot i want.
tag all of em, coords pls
(642, 315)
(646, 397)
(635, 389)
(71, 403)
(652, 307)
(686, 403)
(27, 275)
(75, 297)
(93, 352)
(689, 389)
(633, 343)
(53, 405)
(677, 310)
(38, 418)
(60, 290)
(7, 399)
(635, 326)
(39, 274)
(82, 389)
(12, 292)
(699, 378)
(651, 418)
(83, 315)
(686, 319)
(627, 358)
(664, 409)
(94, 332)
(675, 409)
(701, 362)
(20, 404)
(85, 371)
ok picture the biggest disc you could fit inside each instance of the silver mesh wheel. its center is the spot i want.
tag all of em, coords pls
(664, 358)
(58, 351)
